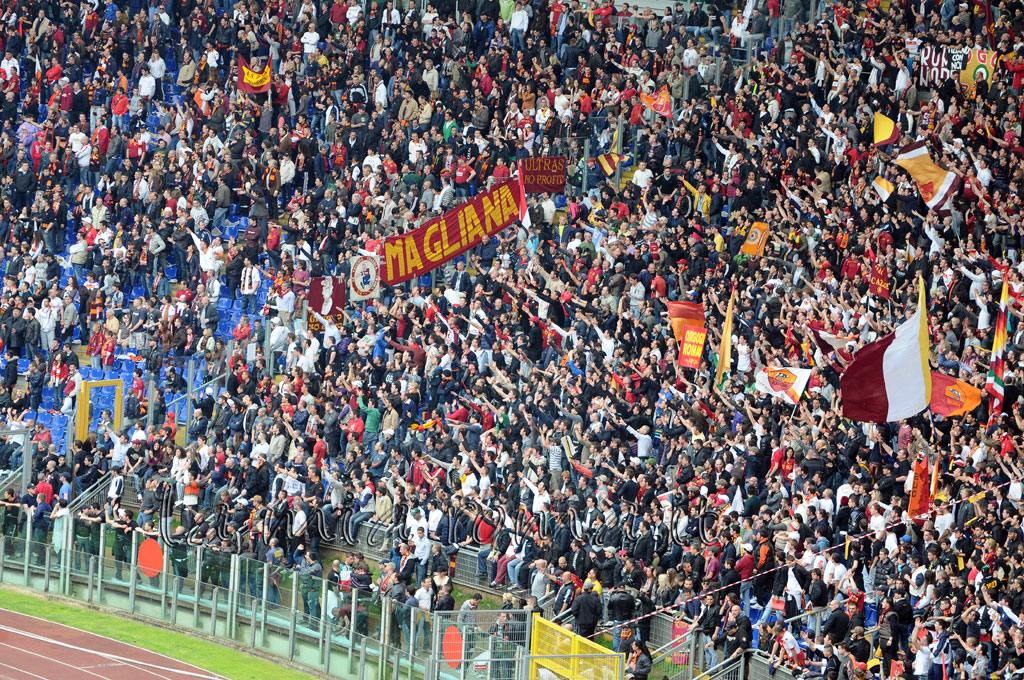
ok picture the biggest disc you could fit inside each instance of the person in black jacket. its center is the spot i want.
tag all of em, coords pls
(606, 564)
(644, 549)
(837, 623)
(11, 370)
(621, 608)
(587, 610)
(781, 587)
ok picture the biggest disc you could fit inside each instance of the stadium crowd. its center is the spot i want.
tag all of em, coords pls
(527, 397)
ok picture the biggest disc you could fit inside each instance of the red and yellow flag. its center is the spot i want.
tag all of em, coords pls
(252, 81)
(952, 397)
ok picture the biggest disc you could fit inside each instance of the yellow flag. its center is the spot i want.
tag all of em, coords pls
(725, 351)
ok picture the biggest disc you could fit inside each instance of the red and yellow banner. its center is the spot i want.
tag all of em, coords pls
(878, 282)
(458, 230)
(543, 174)
(253, 81)
(692, 347)
(660, 102)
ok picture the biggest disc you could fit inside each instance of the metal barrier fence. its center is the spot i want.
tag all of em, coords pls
(479, 644)
(288, 613)
(294, 613)
(304, 617)
(375, 541)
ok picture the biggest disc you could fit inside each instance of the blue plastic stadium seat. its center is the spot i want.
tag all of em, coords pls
(223, 304)
(23, 365)
(243, 222)
(232, 210)
(172, 272)
(31, 415)
(44, 417)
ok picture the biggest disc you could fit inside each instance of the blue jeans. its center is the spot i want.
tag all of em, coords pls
(513, 571)
(616, 634)
(357, 519)
(248, 304)
(481, 564)
(710, 654)
(518, 41)
(746, 594)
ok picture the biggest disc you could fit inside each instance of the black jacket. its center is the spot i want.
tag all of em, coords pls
(836, 625)
(621, 606)
(587, 609)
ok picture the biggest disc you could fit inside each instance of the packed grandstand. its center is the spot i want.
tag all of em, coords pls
(710, 311)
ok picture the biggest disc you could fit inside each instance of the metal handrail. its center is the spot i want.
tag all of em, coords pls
(12, 479)
(98, 489)
(716, 672)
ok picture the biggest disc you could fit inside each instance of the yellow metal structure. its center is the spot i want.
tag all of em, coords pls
(85, 405)
(570, 656)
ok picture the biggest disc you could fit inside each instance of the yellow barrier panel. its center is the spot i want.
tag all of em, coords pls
(570, 656)
(84, 415)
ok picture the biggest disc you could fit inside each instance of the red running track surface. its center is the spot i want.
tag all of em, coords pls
(34, 649)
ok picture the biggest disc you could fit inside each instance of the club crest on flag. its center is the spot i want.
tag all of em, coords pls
(757, 239)
(927, 190)
(781, 379)
(953, 397)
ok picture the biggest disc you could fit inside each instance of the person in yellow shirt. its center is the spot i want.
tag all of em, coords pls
(701, 199)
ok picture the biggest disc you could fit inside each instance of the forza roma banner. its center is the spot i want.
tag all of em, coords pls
(543, 174)
(936, 64)
(326, 298)
(692, 346)
(458, 230)
(253, 81)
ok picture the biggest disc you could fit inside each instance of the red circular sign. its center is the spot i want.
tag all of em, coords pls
(452, 646)
(151, 557)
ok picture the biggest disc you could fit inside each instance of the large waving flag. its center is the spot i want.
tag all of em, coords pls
(994, 381)
(890, 379)
(952, 397)
(660, 102)
(886, 130)
(725, 349)
(935, 183)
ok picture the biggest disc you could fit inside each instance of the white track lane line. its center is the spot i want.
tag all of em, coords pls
(209, 675)
(137, 665)
(53, 660)
(21, 671)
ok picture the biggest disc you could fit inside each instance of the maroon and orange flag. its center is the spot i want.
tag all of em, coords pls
(660, 102)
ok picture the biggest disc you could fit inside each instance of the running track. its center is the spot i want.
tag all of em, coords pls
(34, 649)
